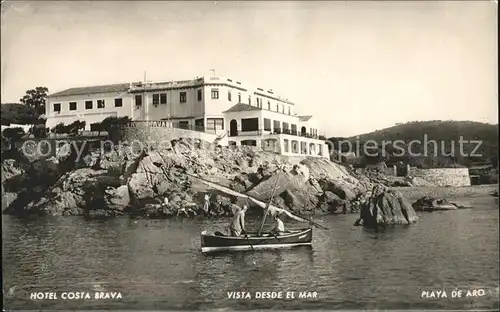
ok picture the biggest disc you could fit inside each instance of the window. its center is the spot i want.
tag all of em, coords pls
(229, 96)
(285, 143)
(295, 148)
(249, 100)
(286, 128)
(57, 107)
(239, 97)
(277, 126)
(249, 124)
(88, 104)
(100, 103)
(182, 97)
(138, 100)
(289, 110)
(199, 124)
(72, 105)
(277, 108)
(267, 124)
(294, 129)
(215, 123)
(268, 105)
(163, 98)
(303, 147)
(184, 124)
(199, 95)
(249, 142)
(282, 109)
(156, 99)
(215, 94)
(118, 102)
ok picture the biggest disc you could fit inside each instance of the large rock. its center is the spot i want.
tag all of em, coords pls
(428, 203)
(339, 187)
(140, 187)
(324, 168)
(295, 193)
(332, 203)
(113, 162)
(117, 199)
(73, 193)
(13, 175)
(386, 207)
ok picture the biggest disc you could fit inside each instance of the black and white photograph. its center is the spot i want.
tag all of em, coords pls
(249, 155)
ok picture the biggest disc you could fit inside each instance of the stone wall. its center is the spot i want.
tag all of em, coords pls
(443, 176)
(157, 135)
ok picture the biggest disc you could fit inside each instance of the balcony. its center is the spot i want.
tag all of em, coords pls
(275, 132)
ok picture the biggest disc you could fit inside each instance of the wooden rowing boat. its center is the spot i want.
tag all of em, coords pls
(257, 240)
(252, 241)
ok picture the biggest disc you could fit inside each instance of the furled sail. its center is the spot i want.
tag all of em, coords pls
(273, 210)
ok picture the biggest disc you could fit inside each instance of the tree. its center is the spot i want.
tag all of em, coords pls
(13, 113)
(12, 135)
(36, 98)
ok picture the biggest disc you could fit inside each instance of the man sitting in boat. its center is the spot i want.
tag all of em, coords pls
(237, 226)
(279, 228)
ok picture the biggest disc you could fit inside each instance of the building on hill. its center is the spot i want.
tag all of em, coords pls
(223, 106)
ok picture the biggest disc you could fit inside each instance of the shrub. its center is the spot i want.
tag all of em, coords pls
(74, 127)
(114, 122)
(40, 131)
(13, 133)
(59, 128)
(10, 136)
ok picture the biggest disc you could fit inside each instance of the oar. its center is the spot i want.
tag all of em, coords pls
(249, 241)
(313, 222)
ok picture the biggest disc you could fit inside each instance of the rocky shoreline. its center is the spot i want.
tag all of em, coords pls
(158, 183)
(126, 181)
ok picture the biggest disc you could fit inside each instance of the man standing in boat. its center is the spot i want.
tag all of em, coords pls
(206, 205)
(237, 226)
(279, 228)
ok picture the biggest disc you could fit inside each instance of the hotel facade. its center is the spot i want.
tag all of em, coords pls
(221, 106)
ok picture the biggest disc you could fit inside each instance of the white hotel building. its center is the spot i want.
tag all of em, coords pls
(223, 106)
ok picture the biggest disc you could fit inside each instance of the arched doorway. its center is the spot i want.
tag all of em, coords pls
(303, 131)
(233, 128)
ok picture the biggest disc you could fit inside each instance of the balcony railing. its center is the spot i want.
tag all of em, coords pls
(276, 131)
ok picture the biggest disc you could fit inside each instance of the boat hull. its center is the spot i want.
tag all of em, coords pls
(211, 243)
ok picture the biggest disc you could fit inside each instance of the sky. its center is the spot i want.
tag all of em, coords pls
(356, 66)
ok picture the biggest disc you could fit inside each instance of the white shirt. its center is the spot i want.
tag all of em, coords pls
(280, 227)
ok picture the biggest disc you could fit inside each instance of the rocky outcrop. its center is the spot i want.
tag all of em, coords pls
(385, 207)
(430, 204)
(124, 181)
(117, 199)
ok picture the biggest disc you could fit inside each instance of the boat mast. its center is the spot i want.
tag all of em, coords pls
(269, 203)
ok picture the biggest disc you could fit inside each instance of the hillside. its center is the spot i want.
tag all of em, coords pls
(447, 135)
